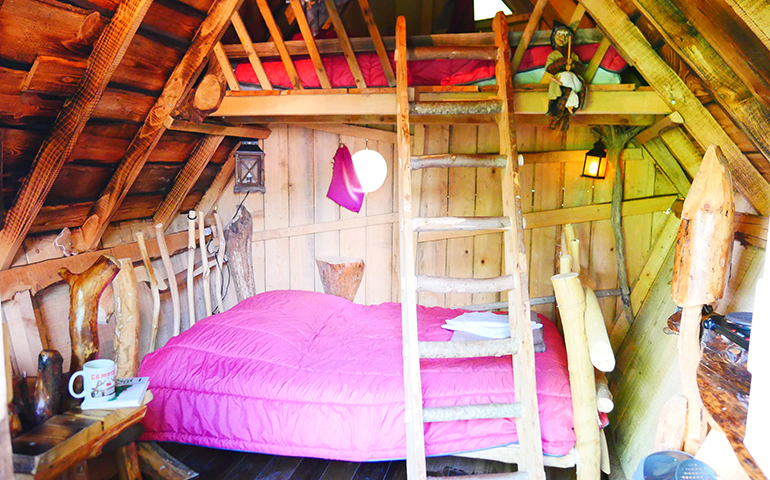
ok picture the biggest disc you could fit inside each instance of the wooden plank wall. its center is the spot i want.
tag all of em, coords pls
(298, 172)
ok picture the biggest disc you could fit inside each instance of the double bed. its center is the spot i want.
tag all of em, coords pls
(308, 374)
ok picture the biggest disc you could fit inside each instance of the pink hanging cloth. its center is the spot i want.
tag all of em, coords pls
(345, 189)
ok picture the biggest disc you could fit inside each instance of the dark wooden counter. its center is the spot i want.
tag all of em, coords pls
(724, 389)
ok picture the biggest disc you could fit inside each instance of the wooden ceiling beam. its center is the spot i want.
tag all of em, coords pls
(374, 32)
(275, 32)
(187, 177)
(307, 35)
(257, 132)
(673, 90)
(226, 68)
(248, 47)
(177, 86)
(104, 59)
(755, 15)
(669, 165)
(748, 113)
(526, 37)
(344, 43)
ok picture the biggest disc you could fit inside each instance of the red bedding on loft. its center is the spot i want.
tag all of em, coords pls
(421, 72)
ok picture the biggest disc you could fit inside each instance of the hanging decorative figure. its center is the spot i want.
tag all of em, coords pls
(565, 91)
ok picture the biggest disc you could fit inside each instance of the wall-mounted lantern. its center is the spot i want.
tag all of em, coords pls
(595, 165)
(249, 168)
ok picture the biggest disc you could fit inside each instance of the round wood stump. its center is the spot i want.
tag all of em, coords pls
(341, 276)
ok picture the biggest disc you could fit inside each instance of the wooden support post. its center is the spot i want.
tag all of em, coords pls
(107, 53)
(153, 288)
(205, 265)
(127, 321)
(374, 32)
(238, 238)
(220, 235)
(570, 298)
(307, 35)
(275, 33)
(350, 55)
(526, 37)
(85, 290)
(226, 67)
(48, 385)
(191, 266)
(703, 247)
(341, 276)
(186, 72)
(248, 46)
(171, 278)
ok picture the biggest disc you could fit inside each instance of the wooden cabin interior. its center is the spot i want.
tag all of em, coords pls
(126, 122)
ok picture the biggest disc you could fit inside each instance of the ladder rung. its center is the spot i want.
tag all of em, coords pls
(488, 476)
(456, 107)
(471, 412)
(472, 349)
(433, 224)
(427, 283)
(448, 52)
(447, 160)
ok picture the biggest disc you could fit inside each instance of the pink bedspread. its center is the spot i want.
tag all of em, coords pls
(308, 374)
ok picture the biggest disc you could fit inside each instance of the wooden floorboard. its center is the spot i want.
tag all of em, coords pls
(213, 464)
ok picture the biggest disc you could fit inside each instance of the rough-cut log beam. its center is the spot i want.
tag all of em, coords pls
(104, 59)
(247, 131)
(756, 16)
(275, 32)
(307, 35)
(248, 46)
(209, 33)
(699, 121)
(187, 177)
(731, 86)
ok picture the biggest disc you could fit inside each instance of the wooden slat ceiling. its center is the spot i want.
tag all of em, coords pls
(51, 38)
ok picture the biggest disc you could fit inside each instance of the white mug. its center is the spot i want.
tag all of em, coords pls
(98, 381)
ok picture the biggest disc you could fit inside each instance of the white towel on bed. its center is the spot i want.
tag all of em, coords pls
(485, 325)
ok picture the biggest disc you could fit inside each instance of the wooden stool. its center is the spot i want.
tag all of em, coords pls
(341, 276)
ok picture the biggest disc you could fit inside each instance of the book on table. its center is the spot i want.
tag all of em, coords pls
(129, 392)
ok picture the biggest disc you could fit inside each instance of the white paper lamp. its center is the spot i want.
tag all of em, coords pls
(371, 169)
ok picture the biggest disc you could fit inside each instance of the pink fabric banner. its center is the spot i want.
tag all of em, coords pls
(345, 189)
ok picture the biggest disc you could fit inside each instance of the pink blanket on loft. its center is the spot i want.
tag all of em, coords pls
(307, 374)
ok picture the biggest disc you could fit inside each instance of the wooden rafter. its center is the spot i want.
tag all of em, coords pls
(699, 121)
(307, 35)
(275, 32)
(226, 67)
(104, 59)
(670, 121)
(750, 114)
(186, 178)
(756, 16)
(347, 49)
(683, 149)
(248, 131)
(596, 60)
(374, 32)
(529, 30)
(248, 46)
(177, 86)
(669, 164)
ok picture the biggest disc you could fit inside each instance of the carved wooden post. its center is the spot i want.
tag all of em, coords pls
(238, 238)
(127, 324)
(205, 264)
(85, 290)
(47, 385)
(191, 266)
(703, 246)
(170, 277)
(341, 276)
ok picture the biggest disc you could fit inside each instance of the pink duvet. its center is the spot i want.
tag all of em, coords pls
(307, 374)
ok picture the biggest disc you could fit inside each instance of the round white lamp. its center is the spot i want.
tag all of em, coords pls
(370, 168)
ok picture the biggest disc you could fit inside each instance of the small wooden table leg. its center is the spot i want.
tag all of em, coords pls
(128, 463)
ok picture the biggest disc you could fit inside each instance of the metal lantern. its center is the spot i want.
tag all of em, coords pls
(249, 168)
(595, 165)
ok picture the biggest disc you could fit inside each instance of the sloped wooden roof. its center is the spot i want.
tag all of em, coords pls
(45, 44)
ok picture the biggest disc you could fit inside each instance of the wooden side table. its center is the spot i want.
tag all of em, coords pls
(68, 440)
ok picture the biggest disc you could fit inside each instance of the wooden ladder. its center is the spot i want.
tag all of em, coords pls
(520, 345)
